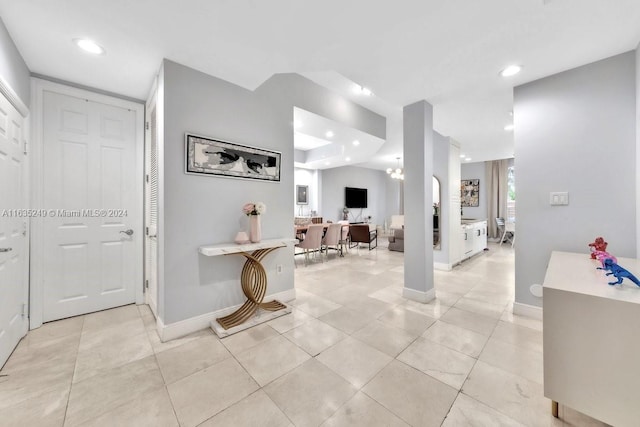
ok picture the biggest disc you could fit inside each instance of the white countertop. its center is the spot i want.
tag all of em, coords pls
(234, 248)
(573, 272)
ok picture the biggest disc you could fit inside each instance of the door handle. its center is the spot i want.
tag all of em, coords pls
(6, 249)
(128, 232)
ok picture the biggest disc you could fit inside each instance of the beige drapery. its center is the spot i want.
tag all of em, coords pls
(497, 193)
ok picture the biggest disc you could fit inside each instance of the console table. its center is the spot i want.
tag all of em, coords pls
(253, 280)
(591, 345)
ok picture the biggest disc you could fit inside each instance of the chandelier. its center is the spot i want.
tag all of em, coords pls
(396, 173)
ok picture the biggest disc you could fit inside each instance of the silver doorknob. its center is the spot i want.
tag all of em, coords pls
(6, 249)
(128, 232)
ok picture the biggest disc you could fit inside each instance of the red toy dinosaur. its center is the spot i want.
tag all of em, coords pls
(598, 246)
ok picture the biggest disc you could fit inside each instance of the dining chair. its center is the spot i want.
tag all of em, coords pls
(332, 238)
(312, 241)
(360, 233)
(505, 228)
(344, 237)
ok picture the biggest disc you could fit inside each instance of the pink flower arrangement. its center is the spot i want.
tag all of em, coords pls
(257, 208)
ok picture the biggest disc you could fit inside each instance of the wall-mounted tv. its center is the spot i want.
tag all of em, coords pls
(355, 197)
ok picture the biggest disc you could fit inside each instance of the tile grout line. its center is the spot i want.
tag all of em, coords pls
(66, 408)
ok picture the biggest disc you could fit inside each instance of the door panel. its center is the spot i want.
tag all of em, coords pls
(90, 189)
(13, 324)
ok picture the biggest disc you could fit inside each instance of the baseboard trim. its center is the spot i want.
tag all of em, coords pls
(527, 310)
(194, 324)
(442, 266)
(418, 296)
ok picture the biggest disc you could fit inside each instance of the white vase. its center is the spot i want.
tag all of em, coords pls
(255, 230)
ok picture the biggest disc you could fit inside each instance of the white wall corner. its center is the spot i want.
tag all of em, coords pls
(527, 310)
(423, 297)
(203, 321)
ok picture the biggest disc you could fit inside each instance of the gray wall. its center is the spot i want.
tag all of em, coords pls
(575, 132)
(637, 147)
(336, 179)
(475, 171)
(441, 171)
(13, 69)
(207, 210)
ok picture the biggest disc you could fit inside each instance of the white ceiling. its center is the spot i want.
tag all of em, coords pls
(448, 52)
(345, 147)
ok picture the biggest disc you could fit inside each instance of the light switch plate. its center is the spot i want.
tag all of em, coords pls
(559, 198)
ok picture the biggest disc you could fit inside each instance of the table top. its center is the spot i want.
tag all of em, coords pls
(234, 248)
(576, 272)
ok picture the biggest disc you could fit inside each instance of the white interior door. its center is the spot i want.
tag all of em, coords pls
(151, 208)
(13, 217)
(92, 256)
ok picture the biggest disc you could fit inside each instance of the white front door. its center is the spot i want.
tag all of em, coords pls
(13, 217)
(92, 234)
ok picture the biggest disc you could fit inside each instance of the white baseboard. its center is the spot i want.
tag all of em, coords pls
(442, 266)
(194, 324)
(527, 310)
(418, 296)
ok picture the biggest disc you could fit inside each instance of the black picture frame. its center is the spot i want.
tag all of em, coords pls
(215, 157)
(470, 193)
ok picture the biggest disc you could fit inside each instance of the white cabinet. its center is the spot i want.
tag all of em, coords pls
(474, 238)
(591, 345)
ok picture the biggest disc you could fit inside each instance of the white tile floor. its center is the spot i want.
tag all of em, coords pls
(352, 352)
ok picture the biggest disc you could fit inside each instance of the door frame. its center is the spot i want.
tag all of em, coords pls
(36, 167)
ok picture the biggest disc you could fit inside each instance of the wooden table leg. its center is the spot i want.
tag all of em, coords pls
(254, 286)
(554, 408)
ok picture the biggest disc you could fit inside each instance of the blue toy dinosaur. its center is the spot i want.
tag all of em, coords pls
(618, 272)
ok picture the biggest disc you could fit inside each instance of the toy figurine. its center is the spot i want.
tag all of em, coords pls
(618, 272)
(598, 245)
(601, 256)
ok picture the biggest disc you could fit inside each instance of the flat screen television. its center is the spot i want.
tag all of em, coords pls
(355, 197)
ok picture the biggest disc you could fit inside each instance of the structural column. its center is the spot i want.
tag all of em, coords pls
(418, 202)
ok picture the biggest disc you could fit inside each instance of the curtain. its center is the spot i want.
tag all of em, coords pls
(497, 193)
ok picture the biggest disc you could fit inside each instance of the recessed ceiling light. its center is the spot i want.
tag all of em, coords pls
(467, 159)
(297, 124)
(89, 46)
(327, 163)
(361, 90)
(508, 128)
(348, 159)
(511, 70)
(329, 134)
(462, 156)
(356, 142)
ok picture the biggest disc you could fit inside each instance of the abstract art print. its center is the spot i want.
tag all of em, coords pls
(206, 156)
(470, 193)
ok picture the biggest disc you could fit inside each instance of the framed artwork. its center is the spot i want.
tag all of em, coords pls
(207, 156)
(470, 193)
(302, 194)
